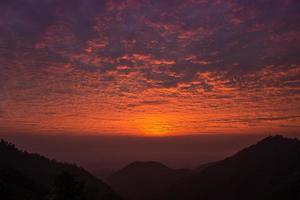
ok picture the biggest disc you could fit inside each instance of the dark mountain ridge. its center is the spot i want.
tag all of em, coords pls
(144, 180)
(267, 170)
(30, 176)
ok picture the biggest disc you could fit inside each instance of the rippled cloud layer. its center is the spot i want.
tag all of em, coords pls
(150, 67)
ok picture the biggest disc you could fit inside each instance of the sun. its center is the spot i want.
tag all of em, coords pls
(154, 125)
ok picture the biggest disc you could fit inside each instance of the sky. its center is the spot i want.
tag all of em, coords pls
(149, 68)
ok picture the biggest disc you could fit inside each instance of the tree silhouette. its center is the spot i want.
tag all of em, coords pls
(67, 187)
(3, 191)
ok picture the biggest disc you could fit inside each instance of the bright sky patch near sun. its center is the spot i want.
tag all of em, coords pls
(149, 67)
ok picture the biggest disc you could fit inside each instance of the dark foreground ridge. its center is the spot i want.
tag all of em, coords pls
(25, 176)
(268, 170)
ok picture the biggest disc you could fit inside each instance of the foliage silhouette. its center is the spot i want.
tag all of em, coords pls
(67, 187)
(26, 176)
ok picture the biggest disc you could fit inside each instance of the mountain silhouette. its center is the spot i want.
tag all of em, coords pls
(25, 176)
(204, 166)
(144, 180)
(268, 170)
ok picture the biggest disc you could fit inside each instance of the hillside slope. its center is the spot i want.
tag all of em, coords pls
(268, 170)
(31, 176)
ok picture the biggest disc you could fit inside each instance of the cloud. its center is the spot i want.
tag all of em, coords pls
(148, 102)
(255, 120)
(277, 118)
(91, 58)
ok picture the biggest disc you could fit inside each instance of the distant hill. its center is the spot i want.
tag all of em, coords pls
(102, 173)
(25, 176)
(144, 180)
(268, 170)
